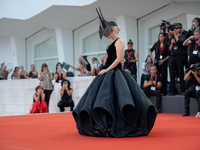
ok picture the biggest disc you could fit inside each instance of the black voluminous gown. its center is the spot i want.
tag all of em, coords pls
(114, 105)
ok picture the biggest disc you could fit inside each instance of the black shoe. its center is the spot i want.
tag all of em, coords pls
(186, 113)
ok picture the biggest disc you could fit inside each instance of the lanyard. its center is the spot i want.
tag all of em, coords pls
(129, 54)
(161, 50)
(59, 75)
(196, 45)
(175, 40)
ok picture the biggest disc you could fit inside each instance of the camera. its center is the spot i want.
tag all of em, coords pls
(127, 60)
(156, 62)
(163, 25)
(172, 27)
(193, 68)
(193, 40)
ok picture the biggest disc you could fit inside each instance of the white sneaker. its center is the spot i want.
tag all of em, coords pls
(198, 115)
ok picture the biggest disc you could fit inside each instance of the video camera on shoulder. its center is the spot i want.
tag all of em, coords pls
(163, 25)
(193, 68)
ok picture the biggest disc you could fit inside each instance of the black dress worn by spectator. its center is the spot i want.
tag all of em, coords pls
(176, 62)
(66, 101)
(152, 91)
(130, 54)
(161, 54)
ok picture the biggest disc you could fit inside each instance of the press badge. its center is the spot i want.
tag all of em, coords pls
(175, 47)
(153, 88)
(197, 88)
(160, 56)
(195, 52)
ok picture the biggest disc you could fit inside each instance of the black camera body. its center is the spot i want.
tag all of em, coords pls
(193, 40)
(163, 25)
(171, 27)
(193, 68)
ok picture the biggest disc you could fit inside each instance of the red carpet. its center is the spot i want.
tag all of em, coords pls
(58, 132)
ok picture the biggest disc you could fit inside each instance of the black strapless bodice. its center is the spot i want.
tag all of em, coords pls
(112, 55)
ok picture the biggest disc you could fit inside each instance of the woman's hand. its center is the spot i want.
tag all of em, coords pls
(161, 62)
(103, 71)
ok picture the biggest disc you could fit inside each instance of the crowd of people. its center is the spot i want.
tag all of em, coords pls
(172, 49)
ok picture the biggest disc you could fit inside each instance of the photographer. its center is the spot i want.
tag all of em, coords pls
(4, 73)
(96, 68)
(39, 104)
(176, 58)
(161, 59)
(152, 86)
(194, 43)
(59, 75)
(130, 58)
(46, 78)
(193, 91)
(33, 73)
(66, 96)
(195, 26)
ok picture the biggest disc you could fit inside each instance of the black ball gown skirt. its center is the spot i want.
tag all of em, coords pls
(114, 106)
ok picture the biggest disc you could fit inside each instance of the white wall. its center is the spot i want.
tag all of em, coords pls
(29, 9)
(6, 53)
(17, 95)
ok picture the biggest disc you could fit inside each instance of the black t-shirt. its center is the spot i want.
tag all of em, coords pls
(65, 96)
(178, 49)
(159, 53)
(157, 78)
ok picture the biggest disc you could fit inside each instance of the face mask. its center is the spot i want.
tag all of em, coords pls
(20, 70)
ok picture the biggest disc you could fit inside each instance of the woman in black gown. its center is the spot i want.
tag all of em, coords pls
(114, 105)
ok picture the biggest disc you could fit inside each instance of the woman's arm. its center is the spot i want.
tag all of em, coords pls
(64, 75)
(35, 98)
(77, 69)
(55, 76)
(136, 56)
(69, 92)
(43, 97)
(120, 56)
(187, 42)
(187, 76)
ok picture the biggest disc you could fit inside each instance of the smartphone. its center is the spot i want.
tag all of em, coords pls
(65, 82)
(151, 79)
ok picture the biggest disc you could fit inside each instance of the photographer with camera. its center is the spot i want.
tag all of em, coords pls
(152, 85)
(46, 78)
(39, 104)
(130, 58)
(59, 75)
(96, 68)
(194, 43)
(194, 90)
(195, 26)
(66, 96)
(176, 58)
(33, 73)
(161, 59)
